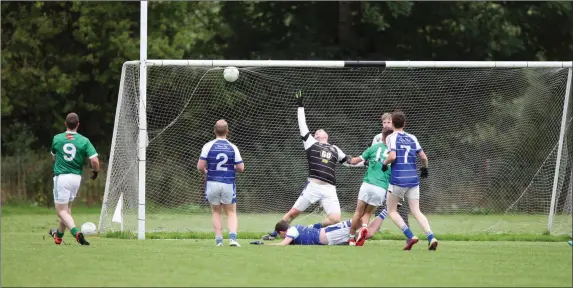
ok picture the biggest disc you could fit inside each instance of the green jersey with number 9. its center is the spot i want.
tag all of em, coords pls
(376, 155)
(70, 149)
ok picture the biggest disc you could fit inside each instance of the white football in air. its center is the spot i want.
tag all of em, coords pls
(89, 228)
(231, 74)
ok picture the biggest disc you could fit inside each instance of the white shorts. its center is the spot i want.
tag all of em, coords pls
(372, 194)
(218, 193)
(338, 234)
(313, 192)
(412, 193)
(66, 188)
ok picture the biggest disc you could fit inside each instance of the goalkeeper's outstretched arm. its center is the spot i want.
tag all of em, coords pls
(304, 133)
(307, 138)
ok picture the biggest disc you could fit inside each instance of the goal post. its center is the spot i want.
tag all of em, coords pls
(142, 136)
(560, 150)
(478, 122)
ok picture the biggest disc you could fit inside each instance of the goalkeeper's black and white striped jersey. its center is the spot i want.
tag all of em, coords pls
(322, 159)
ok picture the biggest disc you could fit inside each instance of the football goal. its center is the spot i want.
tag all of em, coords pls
(498, 136)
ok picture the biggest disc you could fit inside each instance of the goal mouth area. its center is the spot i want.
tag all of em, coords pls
(482, 118)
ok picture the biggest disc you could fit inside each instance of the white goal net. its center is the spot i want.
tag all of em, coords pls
(491, 135)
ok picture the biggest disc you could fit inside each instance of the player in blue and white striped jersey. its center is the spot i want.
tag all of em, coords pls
(404, 182)
(402, 210)
(336, 234)
(219, 161)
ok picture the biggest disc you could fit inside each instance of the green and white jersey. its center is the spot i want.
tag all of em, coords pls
(376, 155)
(70, 149)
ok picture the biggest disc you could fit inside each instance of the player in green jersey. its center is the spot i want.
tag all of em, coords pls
(374, 186)
(402, 210)
(69, 149)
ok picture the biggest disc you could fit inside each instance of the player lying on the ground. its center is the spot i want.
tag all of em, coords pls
(219, 161)
(69, 150)
(404, 181)
(321, 184)
(337, 234)
(374, 185)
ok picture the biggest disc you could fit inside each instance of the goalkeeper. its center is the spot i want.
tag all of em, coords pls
(321, 184)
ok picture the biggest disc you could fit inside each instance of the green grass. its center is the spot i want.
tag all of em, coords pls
(30, 260)
(447, 227)
(457, 227)
(379, 236)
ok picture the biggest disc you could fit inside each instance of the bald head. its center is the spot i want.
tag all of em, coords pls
(221, 128)
(72, 121)
(321, 136)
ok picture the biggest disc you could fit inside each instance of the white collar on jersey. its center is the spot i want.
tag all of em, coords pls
(221, 139)
(71, 132)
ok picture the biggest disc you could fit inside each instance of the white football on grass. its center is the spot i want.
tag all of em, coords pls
(89, 228)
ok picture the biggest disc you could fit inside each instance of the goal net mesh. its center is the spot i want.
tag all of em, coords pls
(491, 136)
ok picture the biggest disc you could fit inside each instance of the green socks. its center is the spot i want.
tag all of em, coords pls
(61, 234)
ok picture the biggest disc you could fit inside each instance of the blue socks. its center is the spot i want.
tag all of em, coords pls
(430, 236)
(274, 233)
(233, 236)
(317, 225)
(383, 214)
(407, 232)
(219, 239)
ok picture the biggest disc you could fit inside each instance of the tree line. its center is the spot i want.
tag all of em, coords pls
(59, 57)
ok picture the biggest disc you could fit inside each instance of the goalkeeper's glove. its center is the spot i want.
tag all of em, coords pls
(298, 97)
(93, 175)
(384, 167)
(424, 172)
(257, 243)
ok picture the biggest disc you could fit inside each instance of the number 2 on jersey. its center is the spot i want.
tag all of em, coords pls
(70, 151)
(223, 162)
(407, 147)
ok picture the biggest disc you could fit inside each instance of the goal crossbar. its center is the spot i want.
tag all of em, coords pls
(341, 64)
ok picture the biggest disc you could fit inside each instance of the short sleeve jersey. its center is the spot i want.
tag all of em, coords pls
(303, 235)
(376, 155)
(322, 159)
(221, 156)
(407, 147)
(71, 149)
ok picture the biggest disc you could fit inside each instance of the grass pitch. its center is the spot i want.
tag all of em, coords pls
(30, 260)
(447, 227)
